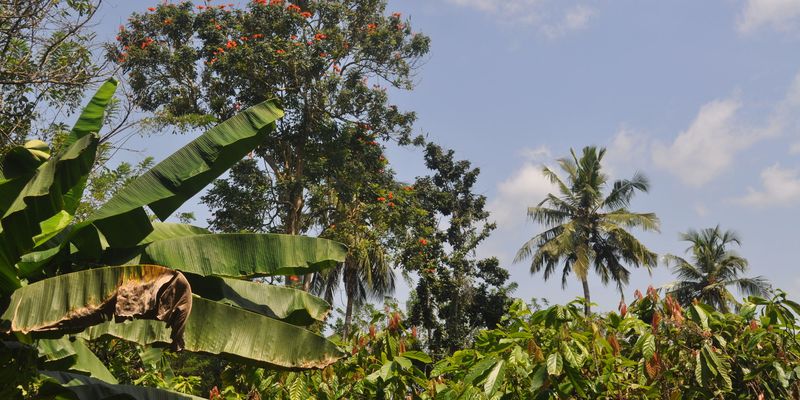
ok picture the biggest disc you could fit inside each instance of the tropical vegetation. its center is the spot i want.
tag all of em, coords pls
(104, 296)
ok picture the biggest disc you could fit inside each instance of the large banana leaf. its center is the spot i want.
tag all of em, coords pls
(245, 254)
(123, 222)
(74, 355)
(72, 302)
(40, 199)
(290, 305)
(169, 230)
(64, 385)
(219, 329)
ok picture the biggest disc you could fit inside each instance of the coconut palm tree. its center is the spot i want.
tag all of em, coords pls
(713, 269)
(586, 229)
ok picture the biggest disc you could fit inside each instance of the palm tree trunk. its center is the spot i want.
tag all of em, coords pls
(348, 316)
(587, 308)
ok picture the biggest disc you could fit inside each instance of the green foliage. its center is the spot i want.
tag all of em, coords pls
(46, 61)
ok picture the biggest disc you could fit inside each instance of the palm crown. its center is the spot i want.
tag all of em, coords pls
(712, 270)
(586, 228)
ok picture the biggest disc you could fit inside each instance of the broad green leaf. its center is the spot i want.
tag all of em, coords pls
(245, 254)
(86, 388)
(215, 328)
(402, 362)
(418, 356)
(75, 301)
(554, 364)
(169, 184)
(41, 198)
(170, 230)
(73, 355)
(495, 378)
(538, 378)
(477, 371)
(51, 227)
(290, 305)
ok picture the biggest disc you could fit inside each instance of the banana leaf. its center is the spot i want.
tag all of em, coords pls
(73, 355)
(123, 222)
(72, 302)
(290, 305)
(64, 385)
(245, 254)
(234, 333)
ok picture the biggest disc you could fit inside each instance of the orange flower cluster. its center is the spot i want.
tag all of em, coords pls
(294, 278)
(408, 188)
(381, 199)
(276, 3)
(257, 35)
(168, 21)
(423, 241)
(293, 7)
(371, 27)
(320, 36)
(261, 2)
(231, 44)
(147, 42)
(151, 9)
(305, 14)
(280, 51)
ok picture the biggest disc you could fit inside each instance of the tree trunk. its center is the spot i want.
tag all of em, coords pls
(348, 315)
(587, 308)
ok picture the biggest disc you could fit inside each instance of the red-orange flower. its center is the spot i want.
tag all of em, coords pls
(423, 241)
(276, 2)
(280, 51)
(381, 199)
(151, 8)
(262, 2)
(293, 37)
(408, 188)
(320, 36)
(294, 278)
(231, 44)
(371, 27)
(390, 204)
(293, 7)
(201, 7)
(305, 14)
(218, 26)
(168, 21)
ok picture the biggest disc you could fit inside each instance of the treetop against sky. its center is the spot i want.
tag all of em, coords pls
(702, 97)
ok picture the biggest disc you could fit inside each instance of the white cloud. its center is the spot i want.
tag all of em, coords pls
(795, 148)
(552, 18)
(626, 152)
(707, 146)
(779, 14)
(537, 154)
(525, 188)
(781, 186)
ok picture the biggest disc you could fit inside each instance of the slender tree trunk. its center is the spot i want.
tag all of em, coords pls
(348, 315)
(587, 308)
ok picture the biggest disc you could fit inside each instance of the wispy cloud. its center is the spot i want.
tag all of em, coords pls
(718, 133)
(781, 186)
(778, 14)
(551, 18)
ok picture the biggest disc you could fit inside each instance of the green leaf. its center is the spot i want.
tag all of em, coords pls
(495, 378)
(418, 356)
(170, 230)
(287, 304)
(245, 254)
(477, 371)
(648, 346)
(554, 364)
(215, 328)
(86, 388)
(538, 378)
(91, 119)
(402, 362)
(165, 187)
(73, 355)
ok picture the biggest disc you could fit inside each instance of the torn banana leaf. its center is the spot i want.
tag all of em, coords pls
(75, 301)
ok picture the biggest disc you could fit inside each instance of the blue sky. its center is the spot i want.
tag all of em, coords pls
(701, 96)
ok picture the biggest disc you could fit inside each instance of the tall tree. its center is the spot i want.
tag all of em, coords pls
(46, 60)
(585, 228)
(713, 269)
(457, 293)
(325, 60)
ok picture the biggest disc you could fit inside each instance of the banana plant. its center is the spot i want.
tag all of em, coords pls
(118, 274)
